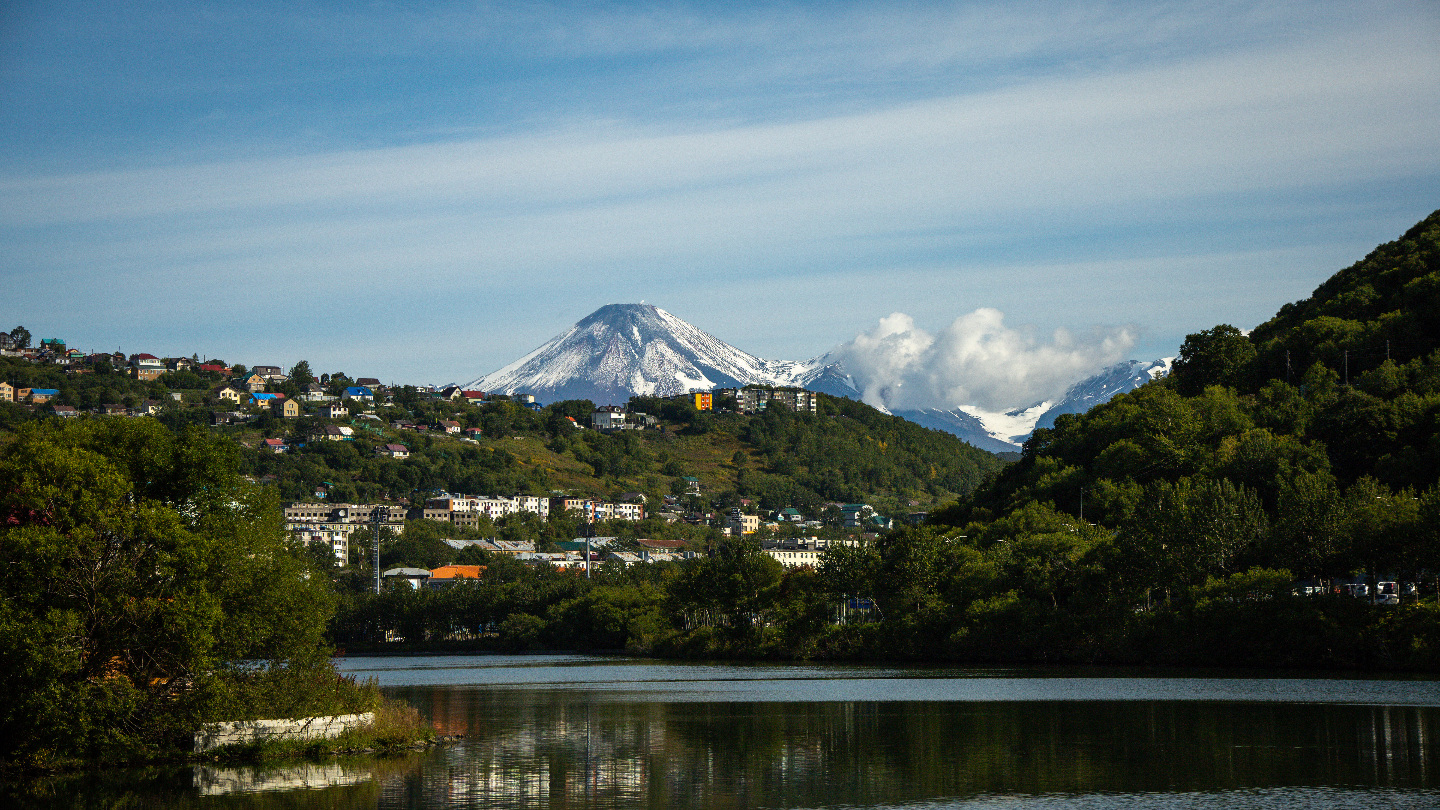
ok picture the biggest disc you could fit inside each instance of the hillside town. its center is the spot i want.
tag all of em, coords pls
(338, 408)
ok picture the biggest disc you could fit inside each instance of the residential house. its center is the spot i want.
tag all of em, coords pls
(213, 368)
(314, 392)
(627, 511)
(414, 577)
(253, 383)
(285, 407)
(40, 396)
(447, 575)
(473, 433)
(625, 558)
(562, 561)
(229, 393)
(451, 393)
(146, 366)
(369, 382)
(263, 400)
(448, 426)
(274, 445)
(180, 364)
(7, 392)
(271, 373)
(854, 514)
(66, 411)
(359, 392)
(393, 451)
(149, 407)
(113, 409)
(512, 547)
(608, 417)
(334, 433)
(473, 397)
(334, 411)
(789, 515)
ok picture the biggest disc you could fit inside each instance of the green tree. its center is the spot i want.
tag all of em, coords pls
(134, 560)
(1219, 356)
(301, 375)
(20, 337)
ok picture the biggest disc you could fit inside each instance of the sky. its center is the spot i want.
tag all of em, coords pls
(424, 192)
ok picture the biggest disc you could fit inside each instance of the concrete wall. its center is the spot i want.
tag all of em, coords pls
(240, 732)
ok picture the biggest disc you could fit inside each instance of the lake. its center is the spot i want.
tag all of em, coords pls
(571, 731)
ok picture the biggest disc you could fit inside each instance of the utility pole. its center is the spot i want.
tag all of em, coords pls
(375, 520)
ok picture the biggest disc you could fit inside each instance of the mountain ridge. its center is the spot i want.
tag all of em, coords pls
(624, 350)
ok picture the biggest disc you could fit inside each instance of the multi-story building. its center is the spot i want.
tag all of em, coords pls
(466, 510)
(608, 417)
(333, 523)
(755, 398)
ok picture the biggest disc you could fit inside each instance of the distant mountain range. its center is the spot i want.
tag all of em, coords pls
(1007, 431)
(621, 350)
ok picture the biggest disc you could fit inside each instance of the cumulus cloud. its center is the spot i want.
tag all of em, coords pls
(976, 360)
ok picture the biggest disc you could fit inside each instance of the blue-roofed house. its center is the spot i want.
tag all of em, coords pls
(39, 396)
(359, 392)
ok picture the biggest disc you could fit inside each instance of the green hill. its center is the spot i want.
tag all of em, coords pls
(846, 452)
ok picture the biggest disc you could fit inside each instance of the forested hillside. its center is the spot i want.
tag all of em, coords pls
(1306, 450)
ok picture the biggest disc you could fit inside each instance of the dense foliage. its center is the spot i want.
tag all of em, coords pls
(147, 588)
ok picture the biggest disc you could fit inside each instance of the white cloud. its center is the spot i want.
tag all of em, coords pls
(976, 360)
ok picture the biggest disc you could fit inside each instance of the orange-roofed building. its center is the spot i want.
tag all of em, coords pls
(450, 574)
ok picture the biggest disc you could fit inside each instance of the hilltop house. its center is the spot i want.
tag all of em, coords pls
(393, 451)
(229, 393)
(146, 366)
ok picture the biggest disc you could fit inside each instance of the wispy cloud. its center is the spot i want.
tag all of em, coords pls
(679, 147)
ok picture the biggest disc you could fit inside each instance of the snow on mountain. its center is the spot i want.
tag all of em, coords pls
(621, 350)
(1117, 379)
(999, 432)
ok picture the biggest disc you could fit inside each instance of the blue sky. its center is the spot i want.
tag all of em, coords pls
(424, 192)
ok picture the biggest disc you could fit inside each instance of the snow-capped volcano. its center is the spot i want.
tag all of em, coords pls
(621, 350)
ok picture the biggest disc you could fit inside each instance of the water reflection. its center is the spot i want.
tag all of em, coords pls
(600, 735)
(213, 781)
(540, 747)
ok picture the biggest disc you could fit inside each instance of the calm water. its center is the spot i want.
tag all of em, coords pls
(582, 732)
